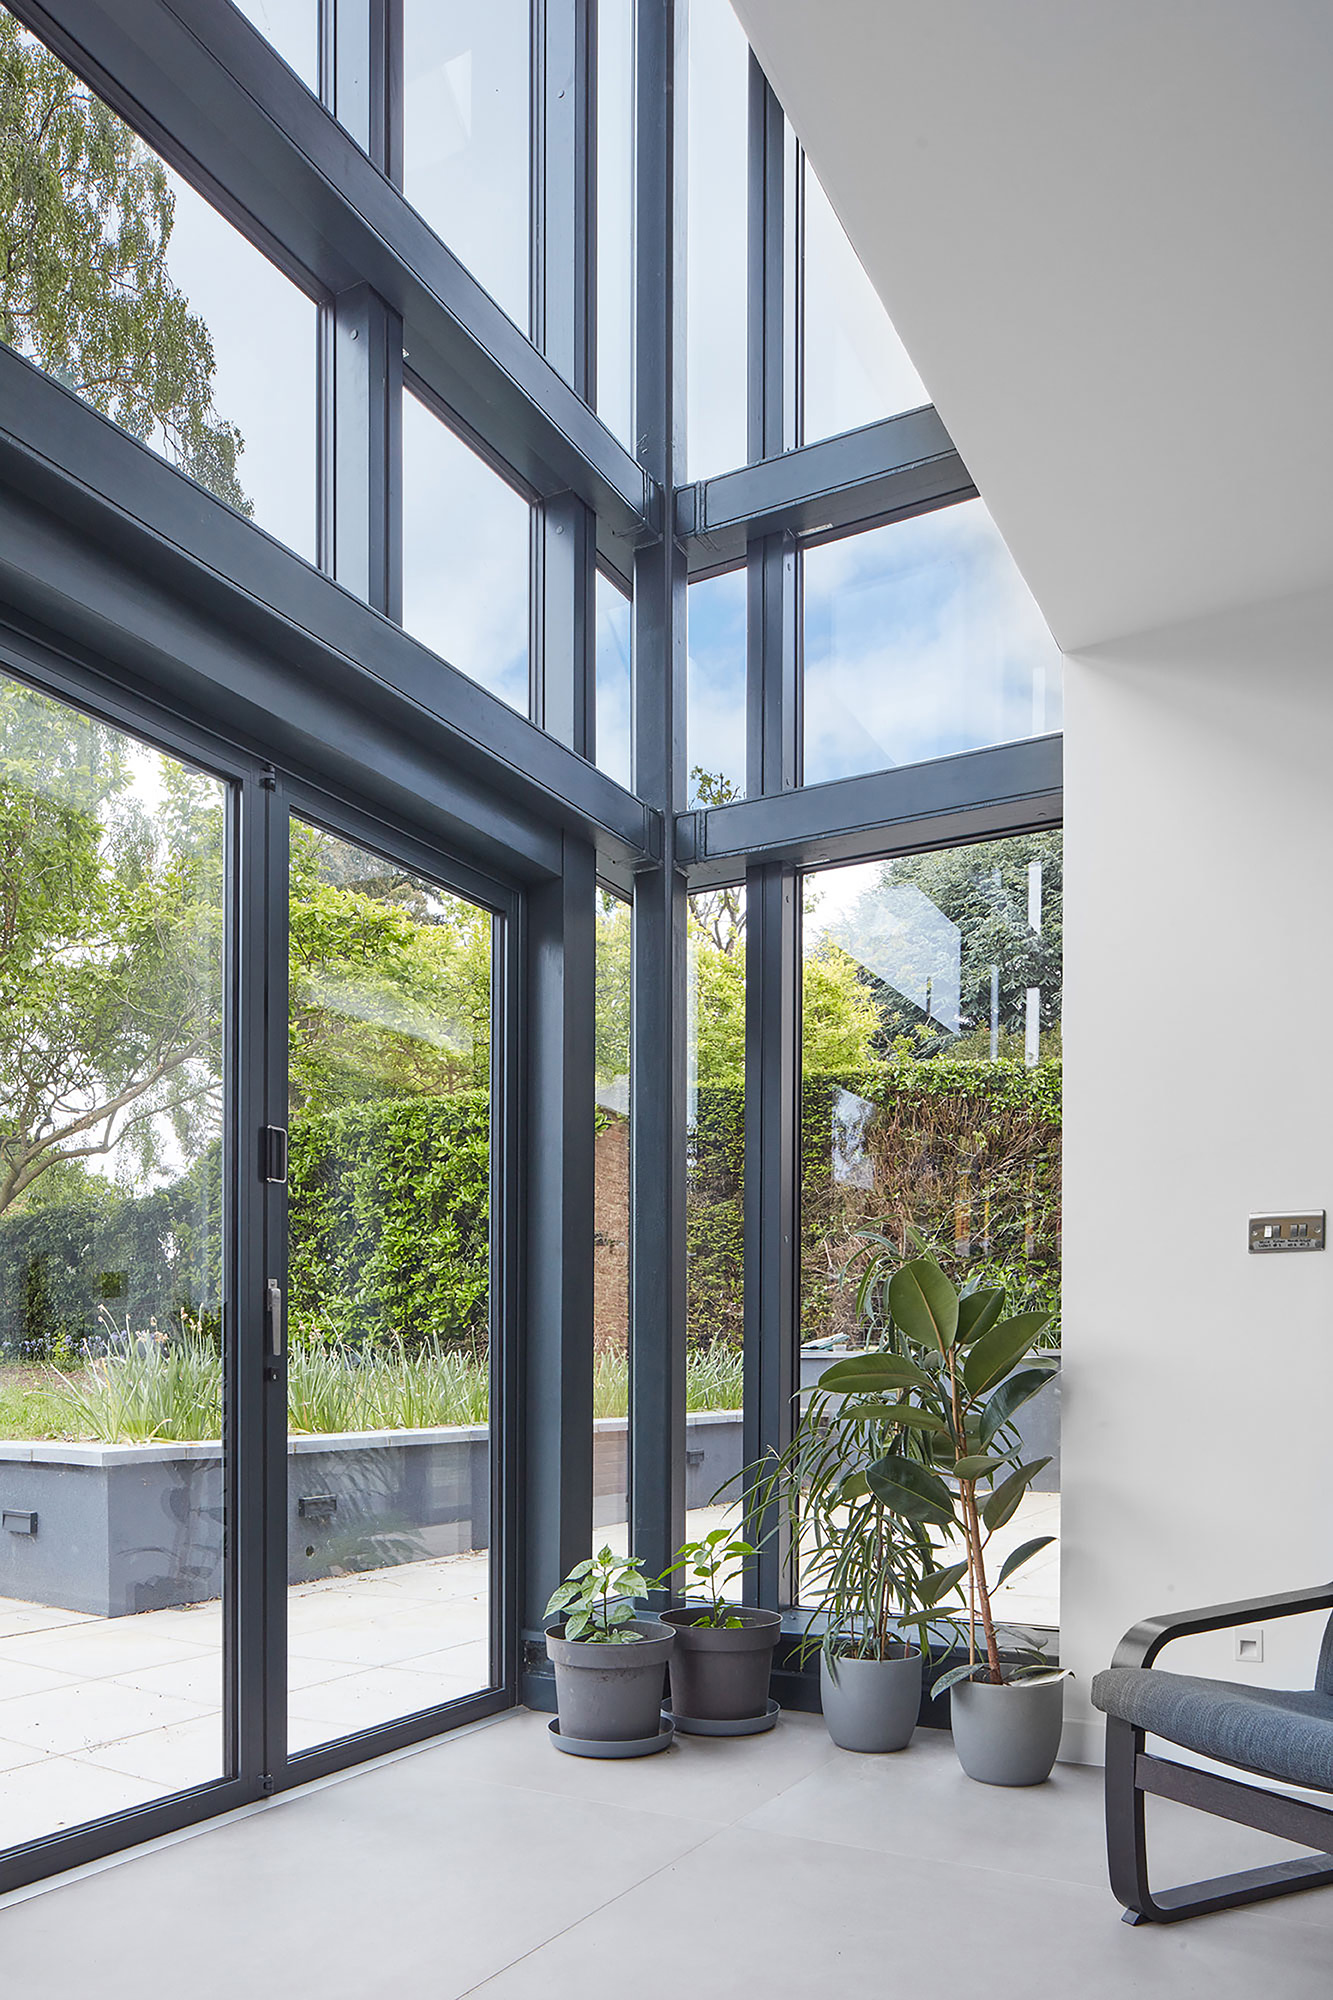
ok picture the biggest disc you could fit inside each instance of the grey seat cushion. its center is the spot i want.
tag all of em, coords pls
(1274, 1732)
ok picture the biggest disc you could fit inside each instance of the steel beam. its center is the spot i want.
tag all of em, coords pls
(1011, 788)
(164, 570)
(904, 465)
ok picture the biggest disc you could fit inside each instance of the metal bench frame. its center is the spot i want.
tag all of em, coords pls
(1131, 1773)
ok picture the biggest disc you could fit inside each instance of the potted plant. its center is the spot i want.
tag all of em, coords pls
(963, 1372)
(724, 1652)
(870, 1571)
(608, 1662)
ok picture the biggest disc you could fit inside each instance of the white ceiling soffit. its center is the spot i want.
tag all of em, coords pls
(1102, 229)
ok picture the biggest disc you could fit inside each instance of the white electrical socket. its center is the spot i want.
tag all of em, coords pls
(1250, 1644)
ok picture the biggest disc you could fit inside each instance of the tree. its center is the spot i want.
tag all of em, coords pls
(389, 981)
(110, 947)
(86, 214)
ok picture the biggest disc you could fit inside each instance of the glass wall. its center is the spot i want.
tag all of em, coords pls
(931, 1103)
(466, 557)
(615, 217)
(293, 28)
(856, 370)
(467, 82)
(389, 1348)
(611, 1225)
(113, 1341)
(715, 688)
(716, 268)
(714, 1202)
(921, 639)
(614, 682)
(121, 282)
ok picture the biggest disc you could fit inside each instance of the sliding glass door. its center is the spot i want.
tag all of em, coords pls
(390, 1469)
(115, 1329)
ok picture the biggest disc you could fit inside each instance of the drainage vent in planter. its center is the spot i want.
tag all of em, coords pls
(17, 1523)
(317, 1506)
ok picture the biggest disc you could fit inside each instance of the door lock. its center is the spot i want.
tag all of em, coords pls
(273, 1313)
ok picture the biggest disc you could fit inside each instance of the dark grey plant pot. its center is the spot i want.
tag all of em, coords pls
(1007, 1735)
(871, 1705)
(610, 1694)
(720, 1673)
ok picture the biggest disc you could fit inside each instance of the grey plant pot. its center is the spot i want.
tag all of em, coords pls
(720, 1673)
(871, 1705)
(610, 1694)
(1007, 1735)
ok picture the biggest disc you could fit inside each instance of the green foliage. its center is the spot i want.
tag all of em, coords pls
(86, 214)
(708, 1566)
(389, 1217)
(596, 1599)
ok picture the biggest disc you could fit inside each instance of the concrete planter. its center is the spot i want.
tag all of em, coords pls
(871, 1705)
(720, 1673)
(611, 1694)
(115, 1529)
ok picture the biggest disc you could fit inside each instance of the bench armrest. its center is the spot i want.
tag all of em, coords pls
(1143, 1642)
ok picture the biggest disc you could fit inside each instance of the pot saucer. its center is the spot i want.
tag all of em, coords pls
(748, 1725)
(590, 1746)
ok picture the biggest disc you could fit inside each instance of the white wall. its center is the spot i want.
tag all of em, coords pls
(1198, 1380)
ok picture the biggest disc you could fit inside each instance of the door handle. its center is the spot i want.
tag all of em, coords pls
(273, 1308)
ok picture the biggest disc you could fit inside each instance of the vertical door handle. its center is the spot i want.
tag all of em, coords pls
(273, 1304)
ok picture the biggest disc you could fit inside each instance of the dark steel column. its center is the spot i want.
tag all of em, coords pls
(556, 1443)
(772, 998)
(658, 1055)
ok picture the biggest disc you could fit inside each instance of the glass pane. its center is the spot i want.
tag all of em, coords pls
(467, 85)
(126, 286)
(112, 878)
(293, 28)
(615, 217)
(715, 690)
(614, 686)
(716, 268)
(611, 1244)
(714, 1198)
(389, 1460)
(856, 368)
(931, 1103)
(921, 639)
(466, 554)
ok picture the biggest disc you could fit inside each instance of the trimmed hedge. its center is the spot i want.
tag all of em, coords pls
(389, 1213)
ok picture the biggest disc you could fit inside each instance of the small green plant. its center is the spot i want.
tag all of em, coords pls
(596, 1599)
(708, 1565)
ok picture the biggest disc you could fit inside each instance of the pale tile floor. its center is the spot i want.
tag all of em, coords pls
(487, 1865)
(100, 1714)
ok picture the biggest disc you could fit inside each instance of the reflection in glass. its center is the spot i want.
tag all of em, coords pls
(716, 271)
(921, 639)
(714, 1204)
(292, 26)
(611, 1237)
(112, 880)
(389, 1462)
(856, 368)
(615, 217)
(715, 693)
(466, 552)
(931, 1101)
(614, 686)
(466, 83)
(120, 281)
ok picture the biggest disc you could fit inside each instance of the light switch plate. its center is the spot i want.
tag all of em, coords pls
(1285, 1233)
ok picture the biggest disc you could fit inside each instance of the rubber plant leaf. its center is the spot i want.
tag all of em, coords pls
(1003, 1502)
(907, 1488)
(924, 1304)
(1024, 1553)
(1011, 1396)
(991, 1357)
(978, 1312)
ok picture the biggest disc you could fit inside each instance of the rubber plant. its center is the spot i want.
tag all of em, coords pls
(961, 1372)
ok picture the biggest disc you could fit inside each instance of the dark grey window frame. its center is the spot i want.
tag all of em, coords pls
(126, 584)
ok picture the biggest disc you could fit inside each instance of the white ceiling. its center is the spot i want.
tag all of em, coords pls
(1104, 230)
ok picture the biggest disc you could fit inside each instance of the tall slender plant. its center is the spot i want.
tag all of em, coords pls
(952, 1390)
